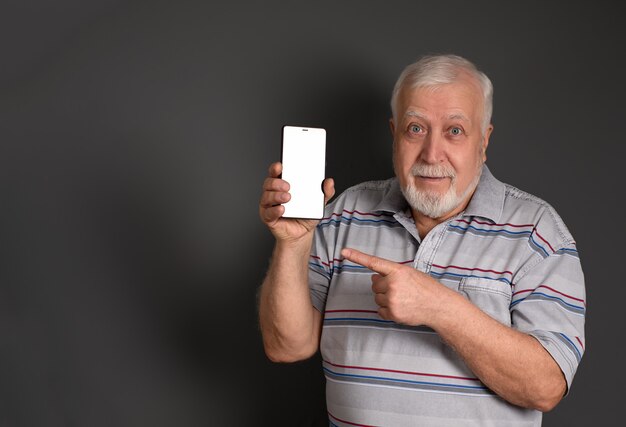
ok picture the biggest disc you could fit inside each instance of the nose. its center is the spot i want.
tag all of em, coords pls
(433, 150)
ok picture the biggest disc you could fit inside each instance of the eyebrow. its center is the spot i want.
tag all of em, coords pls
(458, 116)
(455, 116)
(416, 114)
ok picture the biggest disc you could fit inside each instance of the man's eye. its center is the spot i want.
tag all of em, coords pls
(415, 128)
(456, 131)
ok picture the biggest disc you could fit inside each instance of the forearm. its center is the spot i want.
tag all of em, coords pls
(509, 362)
(290, 325)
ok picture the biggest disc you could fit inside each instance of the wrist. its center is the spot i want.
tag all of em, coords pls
(295, 246)
(450, 312)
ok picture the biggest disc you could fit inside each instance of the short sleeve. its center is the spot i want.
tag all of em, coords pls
(548, 303)
(320, 271)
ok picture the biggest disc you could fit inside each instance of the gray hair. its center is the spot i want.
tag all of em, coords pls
(435, 70)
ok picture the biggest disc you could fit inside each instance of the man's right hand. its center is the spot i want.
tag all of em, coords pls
(290, 325)
(271, 210)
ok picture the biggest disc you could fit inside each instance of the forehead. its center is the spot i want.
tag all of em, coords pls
(460, 98)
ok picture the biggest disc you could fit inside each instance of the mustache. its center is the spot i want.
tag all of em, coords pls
(433, 171)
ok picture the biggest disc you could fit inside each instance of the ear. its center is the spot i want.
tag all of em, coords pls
(485, 142)
(392, 127)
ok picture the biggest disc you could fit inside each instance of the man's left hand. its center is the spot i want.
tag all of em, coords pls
(404, 295)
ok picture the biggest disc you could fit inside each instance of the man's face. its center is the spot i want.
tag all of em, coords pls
(439, 146)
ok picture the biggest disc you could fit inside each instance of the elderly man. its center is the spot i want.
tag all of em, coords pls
(440, 297)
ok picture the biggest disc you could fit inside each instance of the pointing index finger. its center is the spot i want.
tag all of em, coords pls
(374, 263)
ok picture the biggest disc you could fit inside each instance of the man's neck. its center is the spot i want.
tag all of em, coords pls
(425, 223)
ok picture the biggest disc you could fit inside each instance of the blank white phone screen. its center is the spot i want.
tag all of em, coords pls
(304, 161)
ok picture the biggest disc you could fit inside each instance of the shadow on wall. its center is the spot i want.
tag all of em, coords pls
(142, 279)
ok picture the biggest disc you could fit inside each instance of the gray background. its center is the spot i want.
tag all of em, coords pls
(134, 140)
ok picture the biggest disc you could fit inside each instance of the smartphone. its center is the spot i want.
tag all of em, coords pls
(304, 165)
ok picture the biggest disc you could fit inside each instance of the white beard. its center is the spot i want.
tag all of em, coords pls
(431, 203)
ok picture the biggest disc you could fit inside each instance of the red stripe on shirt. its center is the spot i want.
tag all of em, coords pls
(580, 342)
(553, 290)
(348, 422)
(546, 242)
(495, 225)
(472, 269)
(402, 372)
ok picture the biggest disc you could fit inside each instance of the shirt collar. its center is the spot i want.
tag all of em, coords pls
(393, 200)
(487, 201)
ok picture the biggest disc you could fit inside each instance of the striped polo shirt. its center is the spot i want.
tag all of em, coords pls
(509, 253)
